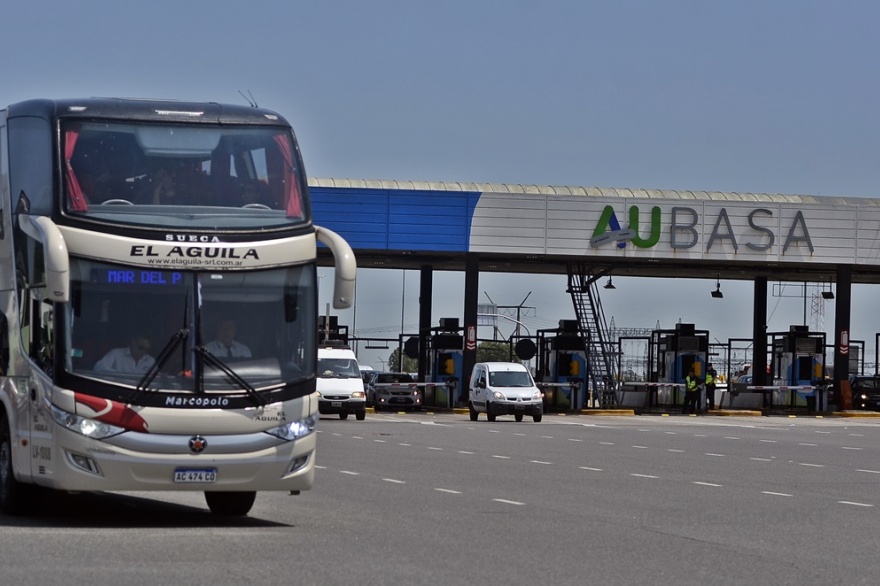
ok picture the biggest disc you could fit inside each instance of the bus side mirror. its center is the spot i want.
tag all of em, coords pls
(55, 258)
(346, 267)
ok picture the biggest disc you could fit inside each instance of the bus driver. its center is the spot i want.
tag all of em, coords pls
(133, 358)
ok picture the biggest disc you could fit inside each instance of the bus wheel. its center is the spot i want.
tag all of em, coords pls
(12, 496)
(230, 504)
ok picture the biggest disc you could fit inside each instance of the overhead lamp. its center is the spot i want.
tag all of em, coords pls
(717, 294)
(609, 284)
(827, 294)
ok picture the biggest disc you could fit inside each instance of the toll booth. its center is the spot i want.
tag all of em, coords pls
(798, 360)
(563, 366)
(671, 354)
(329, 330)
(447, 363)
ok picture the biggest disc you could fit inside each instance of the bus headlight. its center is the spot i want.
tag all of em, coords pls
(296, 429)
(88, 427)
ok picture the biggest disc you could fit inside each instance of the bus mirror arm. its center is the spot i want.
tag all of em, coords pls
(57, 261)
(346, 267)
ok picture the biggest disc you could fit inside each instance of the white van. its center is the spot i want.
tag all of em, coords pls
(504, 388)
(340, 385)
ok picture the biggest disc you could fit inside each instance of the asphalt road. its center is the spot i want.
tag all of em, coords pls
(437, 499)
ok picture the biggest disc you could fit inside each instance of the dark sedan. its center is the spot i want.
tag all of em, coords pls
(865, 392)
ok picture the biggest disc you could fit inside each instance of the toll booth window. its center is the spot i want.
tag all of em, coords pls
(805, 368)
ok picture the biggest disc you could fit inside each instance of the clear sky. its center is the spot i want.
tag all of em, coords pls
(740, 95)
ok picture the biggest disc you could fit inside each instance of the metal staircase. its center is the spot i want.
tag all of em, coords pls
(600, 349)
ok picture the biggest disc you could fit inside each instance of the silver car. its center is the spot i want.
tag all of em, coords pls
(394, 390)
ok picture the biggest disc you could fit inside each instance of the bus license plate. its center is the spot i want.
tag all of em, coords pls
(197, 476)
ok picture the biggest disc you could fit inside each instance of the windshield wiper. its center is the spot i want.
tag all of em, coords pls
(234, 376)
(160, 361)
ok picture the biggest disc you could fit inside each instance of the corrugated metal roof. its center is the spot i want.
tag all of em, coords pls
(604, 192)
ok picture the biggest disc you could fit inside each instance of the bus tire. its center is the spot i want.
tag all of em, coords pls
(12, 492)
(230, 504)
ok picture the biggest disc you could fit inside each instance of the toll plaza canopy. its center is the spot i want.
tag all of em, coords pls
(638, 232)
(474, 227)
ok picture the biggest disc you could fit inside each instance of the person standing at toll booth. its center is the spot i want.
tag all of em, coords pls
(691, 393)
(711, 377)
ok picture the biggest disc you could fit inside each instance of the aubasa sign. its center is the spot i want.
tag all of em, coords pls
(682, 230)
(723, 227)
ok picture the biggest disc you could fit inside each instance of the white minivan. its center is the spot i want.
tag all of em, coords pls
(504, 388)
(340, 385)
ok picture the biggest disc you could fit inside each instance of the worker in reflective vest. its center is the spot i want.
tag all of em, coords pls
(711, 377)
(691, 393)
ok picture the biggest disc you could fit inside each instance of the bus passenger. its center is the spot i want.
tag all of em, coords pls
(225, 345)
(133, 358)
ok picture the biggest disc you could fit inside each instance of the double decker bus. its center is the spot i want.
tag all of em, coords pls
(158, 301)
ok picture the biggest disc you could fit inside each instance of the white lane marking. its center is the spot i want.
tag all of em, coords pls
(775, 493)
(644, 476)
(357, 437)
(380, 441)
(849, 448)
(811, 465)
(435, 449)
(519, 434)
(607, 443)
(507, 502)
(640, 447)
(769, 441)
(676, 451)
(855, 504)
(868, 471)
(447, 490)
(588, 468)
(494, 431)
(731, 437)
(705, 483)
(670, 433)
(700, 435)
(547, 436)
(540, 462)
(823, 432)
(349, 472)
(394, 481)
(761, 459)
(402, 444)
(502, 457)
(813, 445)
(320, 467)
(575, 440)
(644, 430)
(465, 452)
(716, 455)
(856, 435)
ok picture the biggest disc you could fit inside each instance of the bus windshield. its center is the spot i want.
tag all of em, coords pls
(190, 331)
(196, 176)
